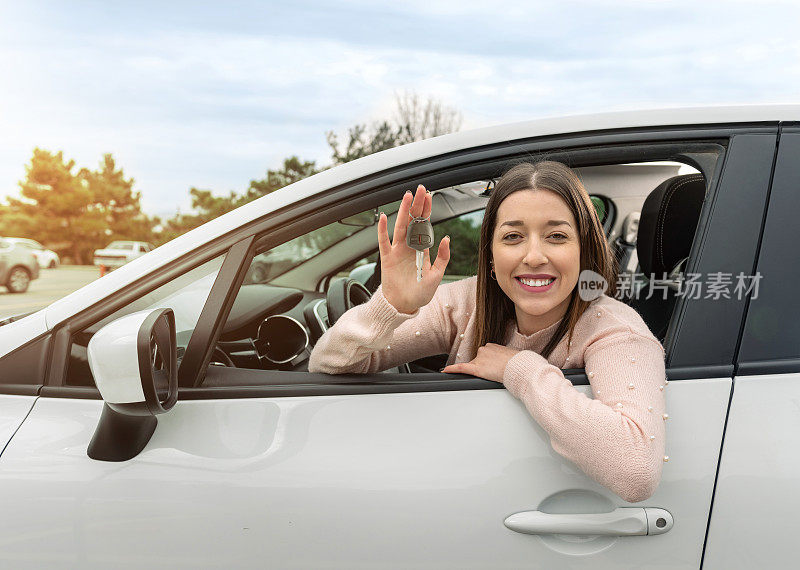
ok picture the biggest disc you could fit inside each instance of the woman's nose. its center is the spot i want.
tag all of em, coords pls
(535, 254)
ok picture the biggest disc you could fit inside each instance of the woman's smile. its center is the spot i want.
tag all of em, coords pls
(535, 285)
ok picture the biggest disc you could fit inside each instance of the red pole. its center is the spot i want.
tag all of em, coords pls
(102, 270)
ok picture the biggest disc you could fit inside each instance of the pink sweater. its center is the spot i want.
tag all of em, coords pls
(617, 438)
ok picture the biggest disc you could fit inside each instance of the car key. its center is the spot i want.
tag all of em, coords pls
(419, 236)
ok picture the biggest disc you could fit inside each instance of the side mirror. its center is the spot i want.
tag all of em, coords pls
(135, 366)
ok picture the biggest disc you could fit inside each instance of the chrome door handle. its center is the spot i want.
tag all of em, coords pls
(624, 521)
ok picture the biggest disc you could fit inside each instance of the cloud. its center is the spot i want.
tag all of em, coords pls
(189, 94)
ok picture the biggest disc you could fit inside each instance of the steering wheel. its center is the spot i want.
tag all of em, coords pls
(220, 355)
(344, 294)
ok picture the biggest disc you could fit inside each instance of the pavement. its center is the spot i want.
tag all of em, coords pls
(51, 285)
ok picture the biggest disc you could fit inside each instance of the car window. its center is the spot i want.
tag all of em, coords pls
(464, 232)
(185, 295)
(121, 245)
(618, 192)
(288, 256)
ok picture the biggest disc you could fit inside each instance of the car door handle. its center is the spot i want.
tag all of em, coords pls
(623, 521)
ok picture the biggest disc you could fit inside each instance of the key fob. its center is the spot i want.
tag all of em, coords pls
(420, 234)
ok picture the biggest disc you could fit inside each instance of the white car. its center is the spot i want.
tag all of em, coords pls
(164, 415)
(118, 253)
(47, 259)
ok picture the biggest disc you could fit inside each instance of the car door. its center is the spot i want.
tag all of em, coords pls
(752, 522)
(291, 469)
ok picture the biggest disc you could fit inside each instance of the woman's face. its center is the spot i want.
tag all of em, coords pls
(536, 240)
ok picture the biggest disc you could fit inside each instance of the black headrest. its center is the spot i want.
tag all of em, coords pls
(669, 219)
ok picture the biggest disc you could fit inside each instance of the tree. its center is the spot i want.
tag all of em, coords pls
(414, 120)
(206, 206)
(294, 169)
(419, 120)
(75, 213)
(363, 140)
(56, 207)
(114, 196)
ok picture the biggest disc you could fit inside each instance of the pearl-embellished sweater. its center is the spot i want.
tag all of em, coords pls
(617, 438)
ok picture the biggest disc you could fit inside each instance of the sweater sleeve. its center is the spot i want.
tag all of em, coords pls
(375, 336)
(609, 437)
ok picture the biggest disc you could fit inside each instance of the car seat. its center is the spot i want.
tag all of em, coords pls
(667, 225)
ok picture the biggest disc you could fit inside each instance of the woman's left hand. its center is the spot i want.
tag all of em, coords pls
(489, 363)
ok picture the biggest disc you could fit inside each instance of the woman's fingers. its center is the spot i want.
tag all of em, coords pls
(384, 245)
(442, 256)
(401, 223)
(428, 206)
(420, 199)
(461, 368)
(408, 206)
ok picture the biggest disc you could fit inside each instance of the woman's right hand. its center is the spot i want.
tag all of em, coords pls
(399, 262)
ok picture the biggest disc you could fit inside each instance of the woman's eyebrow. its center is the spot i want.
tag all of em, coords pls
(548, 223)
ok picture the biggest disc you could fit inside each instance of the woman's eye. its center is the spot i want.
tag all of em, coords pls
(511, 235)
(559, 236)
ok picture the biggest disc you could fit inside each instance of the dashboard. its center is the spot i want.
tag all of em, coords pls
(272, 327)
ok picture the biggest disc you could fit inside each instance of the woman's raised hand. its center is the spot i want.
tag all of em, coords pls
(398, 261)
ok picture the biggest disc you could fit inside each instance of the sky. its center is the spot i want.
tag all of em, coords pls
(212, 94)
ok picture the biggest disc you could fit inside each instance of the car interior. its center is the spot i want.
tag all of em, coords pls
(295, 291)
(650, 213)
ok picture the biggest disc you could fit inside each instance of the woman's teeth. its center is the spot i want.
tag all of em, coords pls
(536, 282)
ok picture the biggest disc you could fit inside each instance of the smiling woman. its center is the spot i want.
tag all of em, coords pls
(520, 321)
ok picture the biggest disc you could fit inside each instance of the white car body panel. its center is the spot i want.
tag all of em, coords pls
(108, 285)
(753, 523)
(383, 480)
(13, 410)
(18, 333)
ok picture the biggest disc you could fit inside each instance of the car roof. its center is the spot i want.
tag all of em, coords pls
(92, 293)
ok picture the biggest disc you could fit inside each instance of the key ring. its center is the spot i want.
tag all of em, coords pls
(419, 218)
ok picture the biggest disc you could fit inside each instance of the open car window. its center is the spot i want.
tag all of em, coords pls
(295, 268)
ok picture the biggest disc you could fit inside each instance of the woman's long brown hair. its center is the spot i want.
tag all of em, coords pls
(494, 308)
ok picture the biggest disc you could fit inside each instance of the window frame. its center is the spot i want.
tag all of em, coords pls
(347, 199)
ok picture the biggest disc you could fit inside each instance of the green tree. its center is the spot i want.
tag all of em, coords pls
(293, 170)
(465, 237)
(74, 213)
(114, 196)
(56, 208)
(206, 206)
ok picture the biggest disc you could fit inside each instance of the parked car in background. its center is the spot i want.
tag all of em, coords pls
(18, 266)
(118, 253)
(253, 461)
(46, 258)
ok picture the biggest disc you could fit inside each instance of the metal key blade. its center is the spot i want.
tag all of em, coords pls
(419, 236)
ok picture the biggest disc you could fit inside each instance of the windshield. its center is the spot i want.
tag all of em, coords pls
(120, 245)
(294, 253)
